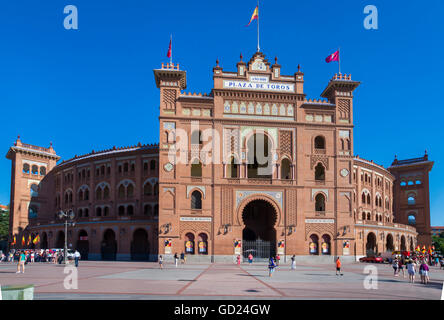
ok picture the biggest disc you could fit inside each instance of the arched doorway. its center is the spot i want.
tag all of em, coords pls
(259, 234)
(109, 245)
(202, 243)
(189, 243)
(411, 244)
(371, 248)
(140, 247)
(44, 244)
(325, 247)
(403, 245)
(83, 244)
(60, 240)
(314, 245)
(389, 243)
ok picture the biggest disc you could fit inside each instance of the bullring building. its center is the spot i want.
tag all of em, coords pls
(253, 166)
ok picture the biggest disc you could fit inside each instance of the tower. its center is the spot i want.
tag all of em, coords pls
(411, 195)
(30, 164)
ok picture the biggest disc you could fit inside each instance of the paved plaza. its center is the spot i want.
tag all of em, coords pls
(144, 280)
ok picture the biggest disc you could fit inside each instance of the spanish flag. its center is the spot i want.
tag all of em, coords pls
(13, 241)
(255, 15)
(29, 239)
(23, 240)
(423, 249)
(36, 239)
(418, 248)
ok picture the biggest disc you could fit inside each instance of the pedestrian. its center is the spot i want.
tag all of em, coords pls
(395, 267)
(442, 263)
(411, 269)
(161, 262)
(338, 266)
(278, 259)
(271, 266)
(401, 268)
(32, 256)
(21, 262)
(76, 258)
(238, 259)
(176, 259)
(182, 258)
(250, 258)
(293, 262)
(425, 272)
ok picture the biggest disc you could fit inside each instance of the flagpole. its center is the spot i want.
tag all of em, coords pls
(171, 57)
(339, 60)
(258, 47)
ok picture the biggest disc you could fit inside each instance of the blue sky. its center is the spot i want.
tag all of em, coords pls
(93, 88)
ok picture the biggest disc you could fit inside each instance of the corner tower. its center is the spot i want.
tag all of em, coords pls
(412, 196)
(30, 164)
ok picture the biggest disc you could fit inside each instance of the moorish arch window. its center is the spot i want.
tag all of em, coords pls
(259, 156)
(42, 171)
(369, 201)
(26, 168)
(196, 200)
(320, 203)
(285, 169)
(147, 189)
(411, 200)
(319, 172)
(319, 143)
(35, 169)
(412, 219)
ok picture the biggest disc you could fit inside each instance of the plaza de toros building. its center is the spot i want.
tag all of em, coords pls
(253, 166)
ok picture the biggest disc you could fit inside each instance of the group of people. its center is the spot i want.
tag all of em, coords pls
(413, 266)
(26, 256)
(183, 259)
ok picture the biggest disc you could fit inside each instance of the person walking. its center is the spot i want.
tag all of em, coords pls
(425, 272)
(176, 259)
(21, 262)
(76, 258)
(395, 267)
(271, 266)
(182, 258)
(238, 260)
(411, 269)
(401, 268)
(293, 262)
(278, 259)
(338, 267)
(32, 256)
(161, 262)
(250, 258)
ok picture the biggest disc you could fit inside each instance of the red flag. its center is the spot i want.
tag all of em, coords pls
(169, 50)
(333, 57)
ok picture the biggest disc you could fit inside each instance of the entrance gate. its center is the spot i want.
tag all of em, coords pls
(260, 249)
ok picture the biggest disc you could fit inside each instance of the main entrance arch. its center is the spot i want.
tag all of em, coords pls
(259, 235)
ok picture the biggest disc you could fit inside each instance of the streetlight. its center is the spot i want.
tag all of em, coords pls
(68, 215)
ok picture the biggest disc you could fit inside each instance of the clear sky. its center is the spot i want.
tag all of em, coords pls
(94, 88)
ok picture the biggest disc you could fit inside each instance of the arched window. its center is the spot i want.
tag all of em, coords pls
(196, 137)
(363, 216)
(196, 169)
(232, 168)
(363, 198)
(130, 210)
(86, 212)
(99, 194)
(259, 156)
(319, 172)
(369, 216)
(121, 210)
(369, 201)
(86, 194)
(412, 220)
(411, 200)
(147, 189)
(80, 195)
(34, 190)
(26, 168)
(285, 169)
(121, 191)
(319, 142)
(106, 192)
(106, 211)
(320, 203)
(42, 171)
(130, 191)
(35, 169)
(147, 210)
(80, 213)
(196, 200)
(314, 245)
(98, 211)
(153, 165)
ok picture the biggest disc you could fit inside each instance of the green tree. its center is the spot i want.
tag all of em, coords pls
(438, 242)
(4, 225)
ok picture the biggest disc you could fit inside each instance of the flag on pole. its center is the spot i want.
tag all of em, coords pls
(23, 240)
(169, 49)
(255, 15)
(13, 241)
(333, 57)
(29, 239)
(36, 239)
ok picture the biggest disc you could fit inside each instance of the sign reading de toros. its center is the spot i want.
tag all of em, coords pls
(259, 86)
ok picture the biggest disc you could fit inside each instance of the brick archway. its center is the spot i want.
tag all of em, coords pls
(255, 197)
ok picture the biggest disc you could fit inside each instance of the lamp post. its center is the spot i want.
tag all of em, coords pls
(68, 215)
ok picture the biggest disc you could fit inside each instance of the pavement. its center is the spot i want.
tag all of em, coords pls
(99, 280)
